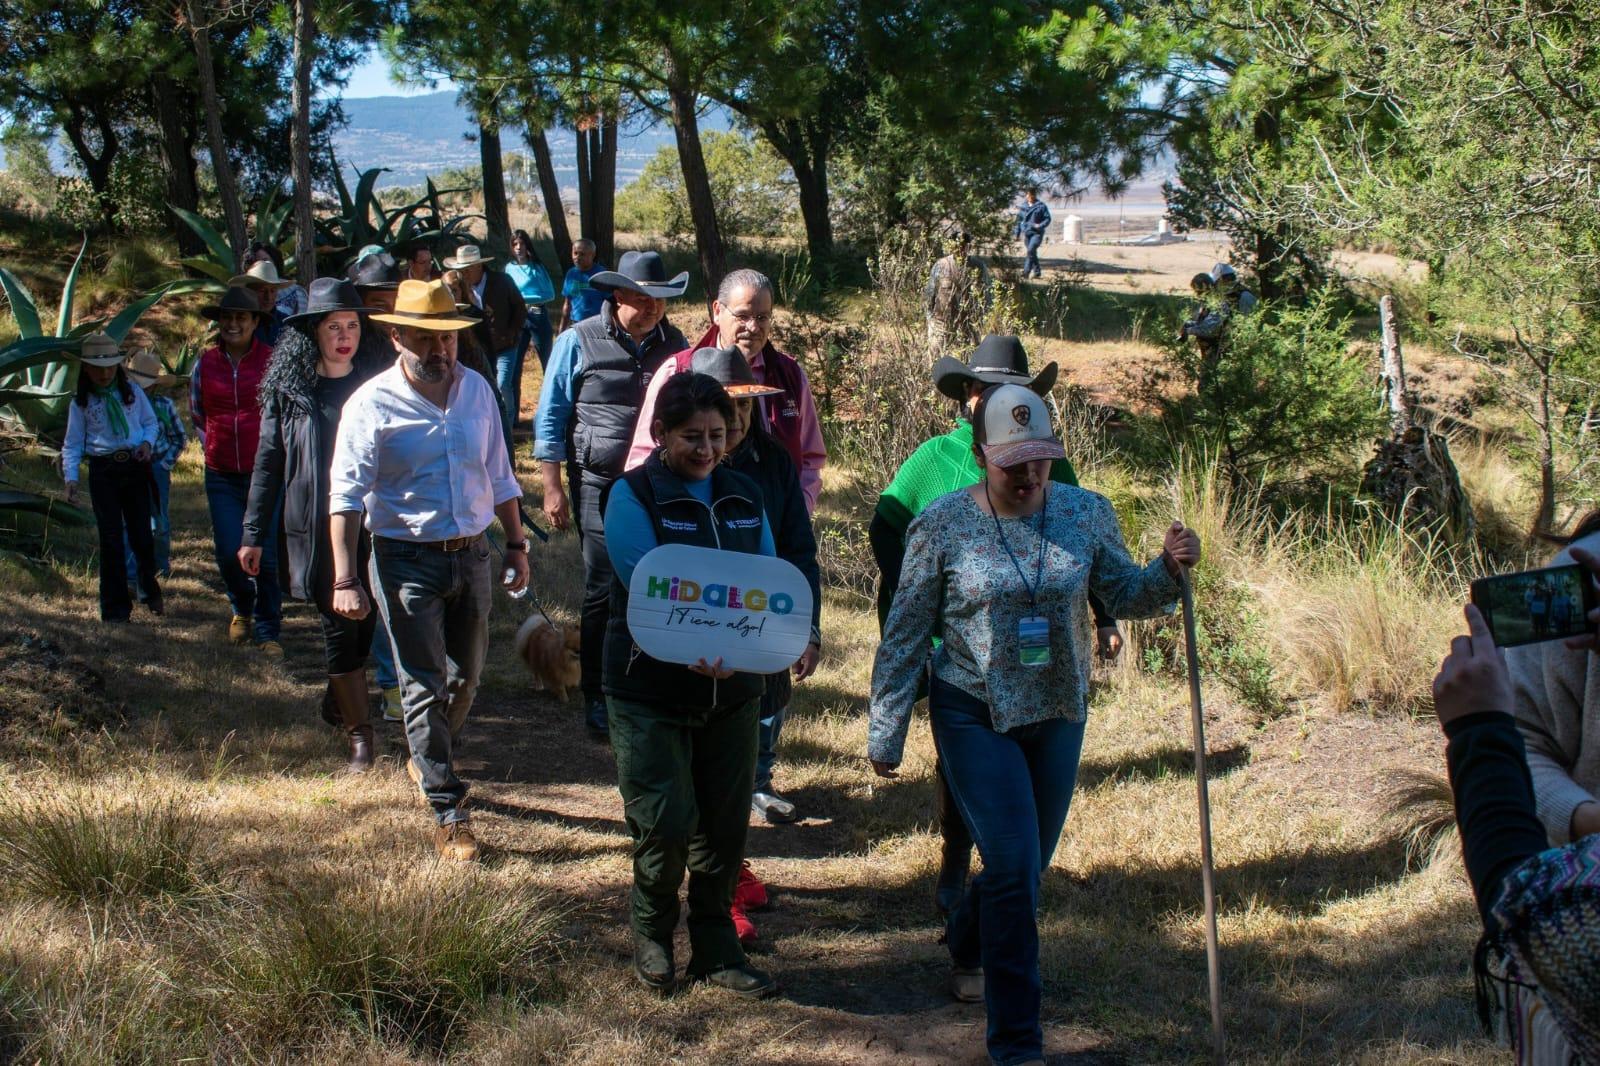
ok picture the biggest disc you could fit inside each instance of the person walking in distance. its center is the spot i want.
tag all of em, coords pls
(419, 453)
(1033, 221)
(580, 300)
(593, 390)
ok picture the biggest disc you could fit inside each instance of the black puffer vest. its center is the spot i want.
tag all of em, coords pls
(611, 388)
(628, 673)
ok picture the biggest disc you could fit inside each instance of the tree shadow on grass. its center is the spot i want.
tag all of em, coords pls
(1163, 763)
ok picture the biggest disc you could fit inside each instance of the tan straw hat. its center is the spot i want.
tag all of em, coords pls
(425, 305)
(467, 255)
(101, 349)
(144, 369)
(261, 272)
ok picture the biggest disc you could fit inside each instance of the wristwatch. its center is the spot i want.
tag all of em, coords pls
(516, 546)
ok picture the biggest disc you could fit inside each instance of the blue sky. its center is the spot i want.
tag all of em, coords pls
(371, 78)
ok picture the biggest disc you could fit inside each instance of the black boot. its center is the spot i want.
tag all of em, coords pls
(955, 853)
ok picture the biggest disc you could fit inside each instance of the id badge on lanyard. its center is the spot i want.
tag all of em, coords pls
(1033, 640)
(1033, 629)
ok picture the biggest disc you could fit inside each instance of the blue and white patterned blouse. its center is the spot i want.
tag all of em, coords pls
(957, 569)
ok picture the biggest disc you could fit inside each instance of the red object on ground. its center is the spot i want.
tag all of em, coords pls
(743, 926)
(749, 894)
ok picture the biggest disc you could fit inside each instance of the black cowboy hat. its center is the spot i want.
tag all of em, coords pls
(732, 371)
(235, 299)
(375, 268)
(642, 272)
(328, 295)
(998, 360)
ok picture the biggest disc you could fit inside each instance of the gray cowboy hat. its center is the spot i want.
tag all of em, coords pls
(999, 359)
(732, 371)
(326, 296)
(374, 268)
(235, 299)
(642, 272)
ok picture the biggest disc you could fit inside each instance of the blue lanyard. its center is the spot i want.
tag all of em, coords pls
(1038, 572)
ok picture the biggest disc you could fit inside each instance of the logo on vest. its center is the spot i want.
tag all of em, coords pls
(743, 523)
(678, 526)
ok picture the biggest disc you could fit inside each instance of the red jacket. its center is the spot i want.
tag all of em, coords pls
(782, 414)
(224, 402)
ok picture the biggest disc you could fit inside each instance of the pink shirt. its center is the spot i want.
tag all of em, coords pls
(814, 454)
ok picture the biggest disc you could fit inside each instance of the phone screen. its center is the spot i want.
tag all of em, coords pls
(1535, 605)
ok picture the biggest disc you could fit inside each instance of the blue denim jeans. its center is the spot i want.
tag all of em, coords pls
(1030, 261)
(258, 598)
(383, 657)
(508, 378)
(536, 329)
(774, 709)
(160, 525)
(436, 605)
(1013, 790)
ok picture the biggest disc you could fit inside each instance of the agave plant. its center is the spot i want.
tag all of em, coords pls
(39, 370)
(362, 219)
(221, 261)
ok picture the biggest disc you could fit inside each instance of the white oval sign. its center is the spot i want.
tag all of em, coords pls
(686, 604)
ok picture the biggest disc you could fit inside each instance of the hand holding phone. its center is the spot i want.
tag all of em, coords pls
(1539, 605)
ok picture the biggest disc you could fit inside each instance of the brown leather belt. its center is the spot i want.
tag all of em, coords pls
(452, 544)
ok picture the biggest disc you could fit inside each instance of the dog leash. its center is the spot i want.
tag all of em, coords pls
(526, 592)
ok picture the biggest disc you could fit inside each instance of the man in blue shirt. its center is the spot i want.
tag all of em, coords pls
(1032, 222)
(582, 299)
(593, 389)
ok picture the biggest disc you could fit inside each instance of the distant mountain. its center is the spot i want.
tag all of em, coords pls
(415, 136)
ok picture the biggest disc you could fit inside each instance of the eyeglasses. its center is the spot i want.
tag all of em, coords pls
(745, 318)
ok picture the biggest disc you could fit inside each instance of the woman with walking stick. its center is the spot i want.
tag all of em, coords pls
(1006, 566)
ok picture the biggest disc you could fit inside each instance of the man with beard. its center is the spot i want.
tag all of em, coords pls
(419, 450)
(593, 387)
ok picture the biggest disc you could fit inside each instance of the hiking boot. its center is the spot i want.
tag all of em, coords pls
(454, 841)
(393, 711)
(774, 808)
(966, 984)
(652, 963)
(597, 721)
(745, 981)
(350, 694)
(239, 629)
(271, 649)
(743, 927)
(748, 891)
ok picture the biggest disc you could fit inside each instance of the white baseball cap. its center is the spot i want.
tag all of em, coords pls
(1012, 425)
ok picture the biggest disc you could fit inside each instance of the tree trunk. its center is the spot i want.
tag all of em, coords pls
(305, 235)
(697, 184)
(227, 188)
(96, 165)
(806, 152)
(1394, 369)
(555, 210)
(176, 145)
(496, 213)
(1547, 458)
(585, 185)
(604, 192)
(1268, 249)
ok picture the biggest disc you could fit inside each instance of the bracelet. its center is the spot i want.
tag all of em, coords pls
(346, 584)
(516, 546)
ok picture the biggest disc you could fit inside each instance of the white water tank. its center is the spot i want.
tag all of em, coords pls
(1072, 229)
(1163, 227)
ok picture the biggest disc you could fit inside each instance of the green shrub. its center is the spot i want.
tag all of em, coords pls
(1283, 398)
(751, 186)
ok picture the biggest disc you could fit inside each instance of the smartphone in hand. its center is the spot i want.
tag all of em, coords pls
(1536, 605)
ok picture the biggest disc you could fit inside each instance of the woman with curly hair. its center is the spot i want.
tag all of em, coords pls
(318, 363)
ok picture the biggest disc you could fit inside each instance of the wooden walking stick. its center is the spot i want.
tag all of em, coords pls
(1207, 873)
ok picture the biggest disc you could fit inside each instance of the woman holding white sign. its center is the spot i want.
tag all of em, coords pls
(685, 735)
(1008, 565)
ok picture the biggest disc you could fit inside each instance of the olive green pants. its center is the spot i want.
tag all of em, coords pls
(685, 777)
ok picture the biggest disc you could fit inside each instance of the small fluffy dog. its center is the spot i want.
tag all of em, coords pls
(551, 652)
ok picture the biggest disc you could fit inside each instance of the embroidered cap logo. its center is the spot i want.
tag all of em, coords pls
(1022, 414)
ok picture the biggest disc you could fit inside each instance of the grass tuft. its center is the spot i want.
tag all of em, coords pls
(410, 965)
(75, 850)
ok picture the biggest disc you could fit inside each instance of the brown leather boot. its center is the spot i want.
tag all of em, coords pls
(350, 693)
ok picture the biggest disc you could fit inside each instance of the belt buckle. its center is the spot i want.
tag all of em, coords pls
(456, 544)
(122, 455)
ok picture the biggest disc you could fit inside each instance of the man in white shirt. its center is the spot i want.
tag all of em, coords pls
(419, 451)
